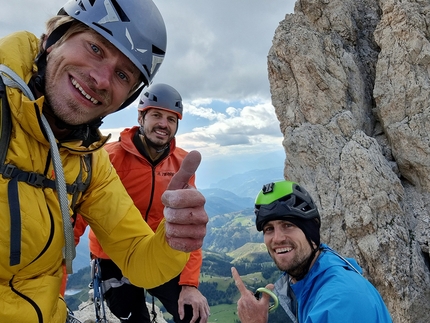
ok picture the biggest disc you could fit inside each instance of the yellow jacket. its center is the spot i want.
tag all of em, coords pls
(29, 291)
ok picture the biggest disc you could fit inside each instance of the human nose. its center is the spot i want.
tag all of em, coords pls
(162, 122)
(102, 75)
(278, 235)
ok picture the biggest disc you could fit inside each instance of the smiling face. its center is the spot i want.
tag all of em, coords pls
(87, 78)
(159, 126)
(288, 247)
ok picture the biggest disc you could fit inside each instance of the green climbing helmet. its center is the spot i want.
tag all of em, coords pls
(284, 200)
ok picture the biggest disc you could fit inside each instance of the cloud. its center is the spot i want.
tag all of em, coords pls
(206, 113)
(247, 126)
(232, 131)
(216, 52)
(220, 47)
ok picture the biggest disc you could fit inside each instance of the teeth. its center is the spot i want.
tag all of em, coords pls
(283, 250)
(89, 97)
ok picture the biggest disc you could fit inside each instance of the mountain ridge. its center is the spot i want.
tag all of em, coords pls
(229, 195)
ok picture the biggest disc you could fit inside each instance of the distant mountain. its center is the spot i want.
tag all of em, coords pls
(248, 184)
(220, 201)
(227, 232)
(229, 204)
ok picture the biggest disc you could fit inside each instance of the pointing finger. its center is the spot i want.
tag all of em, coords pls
(238, 281)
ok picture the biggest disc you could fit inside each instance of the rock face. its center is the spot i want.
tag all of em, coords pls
(351, 88)
(86, 312)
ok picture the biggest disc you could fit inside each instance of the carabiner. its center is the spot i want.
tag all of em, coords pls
(272, 307)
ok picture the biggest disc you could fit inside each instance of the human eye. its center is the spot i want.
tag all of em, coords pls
(288, 225)
(95, 48)
(122, 76)
(172, 120)
(267, 229)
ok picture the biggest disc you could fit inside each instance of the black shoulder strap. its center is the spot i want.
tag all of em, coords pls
(32, 178)
(5, 132)
(81, 186)
(6, 124)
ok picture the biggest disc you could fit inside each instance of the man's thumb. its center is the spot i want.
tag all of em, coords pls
(188, 168)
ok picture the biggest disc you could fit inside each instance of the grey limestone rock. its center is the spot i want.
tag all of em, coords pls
(350, 83)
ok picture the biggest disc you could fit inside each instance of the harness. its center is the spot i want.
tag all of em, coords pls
(10, 171)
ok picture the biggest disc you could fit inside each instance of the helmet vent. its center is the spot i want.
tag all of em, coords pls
(301, 205)
(150, 96)
(81, 5)
(105, 29)
(157, 50)
(268, 188)
(119, 11)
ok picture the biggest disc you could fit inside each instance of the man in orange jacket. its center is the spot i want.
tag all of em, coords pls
(146, 158)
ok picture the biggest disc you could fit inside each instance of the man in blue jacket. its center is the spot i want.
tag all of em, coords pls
(318, 285)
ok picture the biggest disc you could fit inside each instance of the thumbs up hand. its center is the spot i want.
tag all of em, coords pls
(184, 211)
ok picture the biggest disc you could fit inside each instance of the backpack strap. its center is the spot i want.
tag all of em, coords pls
(5, 131)
(6, 123)
(80, 185)
(13, 80)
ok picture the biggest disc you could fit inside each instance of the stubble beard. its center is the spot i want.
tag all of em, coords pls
(159, 144)
(298, 267)
(66, 111)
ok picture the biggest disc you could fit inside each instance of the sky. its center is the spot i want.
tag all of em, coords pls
(217, 59)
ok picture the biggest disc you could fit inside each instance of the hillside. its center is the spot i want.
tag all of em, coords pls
(231, 240)
(248, 184)
(223, 199)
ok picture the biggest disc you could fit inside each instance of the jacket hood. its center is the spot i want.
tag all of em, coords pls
(327, 259)
(331, 261)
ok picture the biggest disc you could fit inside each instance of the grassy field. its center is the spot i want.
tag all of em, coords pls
(219, 313)
(223, 282)
(223, 314)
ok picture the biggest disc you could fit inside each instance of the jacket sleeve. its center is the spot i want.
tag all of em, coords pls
(123, 234)
(191, 273)
(79, 228)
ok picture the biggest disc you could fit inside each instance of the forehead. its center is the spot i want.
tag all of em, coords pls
(99, 39)
(163, 112)
(277, 222)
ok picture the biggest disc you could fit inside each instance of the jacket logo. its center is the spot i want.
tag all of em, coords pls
(170, 174)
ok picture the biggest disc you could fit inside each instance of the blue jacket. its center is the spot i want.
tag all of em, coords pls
(334, 292)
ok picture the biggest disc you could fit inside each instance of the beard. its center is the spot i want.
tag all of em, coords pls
(152, 141)
(298, 267)
(63, 108)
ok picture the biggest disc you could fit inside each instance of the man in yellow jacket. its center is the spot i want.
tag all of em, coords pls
(94, 59)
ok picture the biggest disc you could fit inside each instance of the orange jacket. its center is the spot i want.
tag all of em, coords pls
(145, 184)
(79, 228)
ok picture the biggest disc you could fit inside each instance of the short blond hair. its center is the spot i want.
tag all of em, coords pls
(55, 22)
